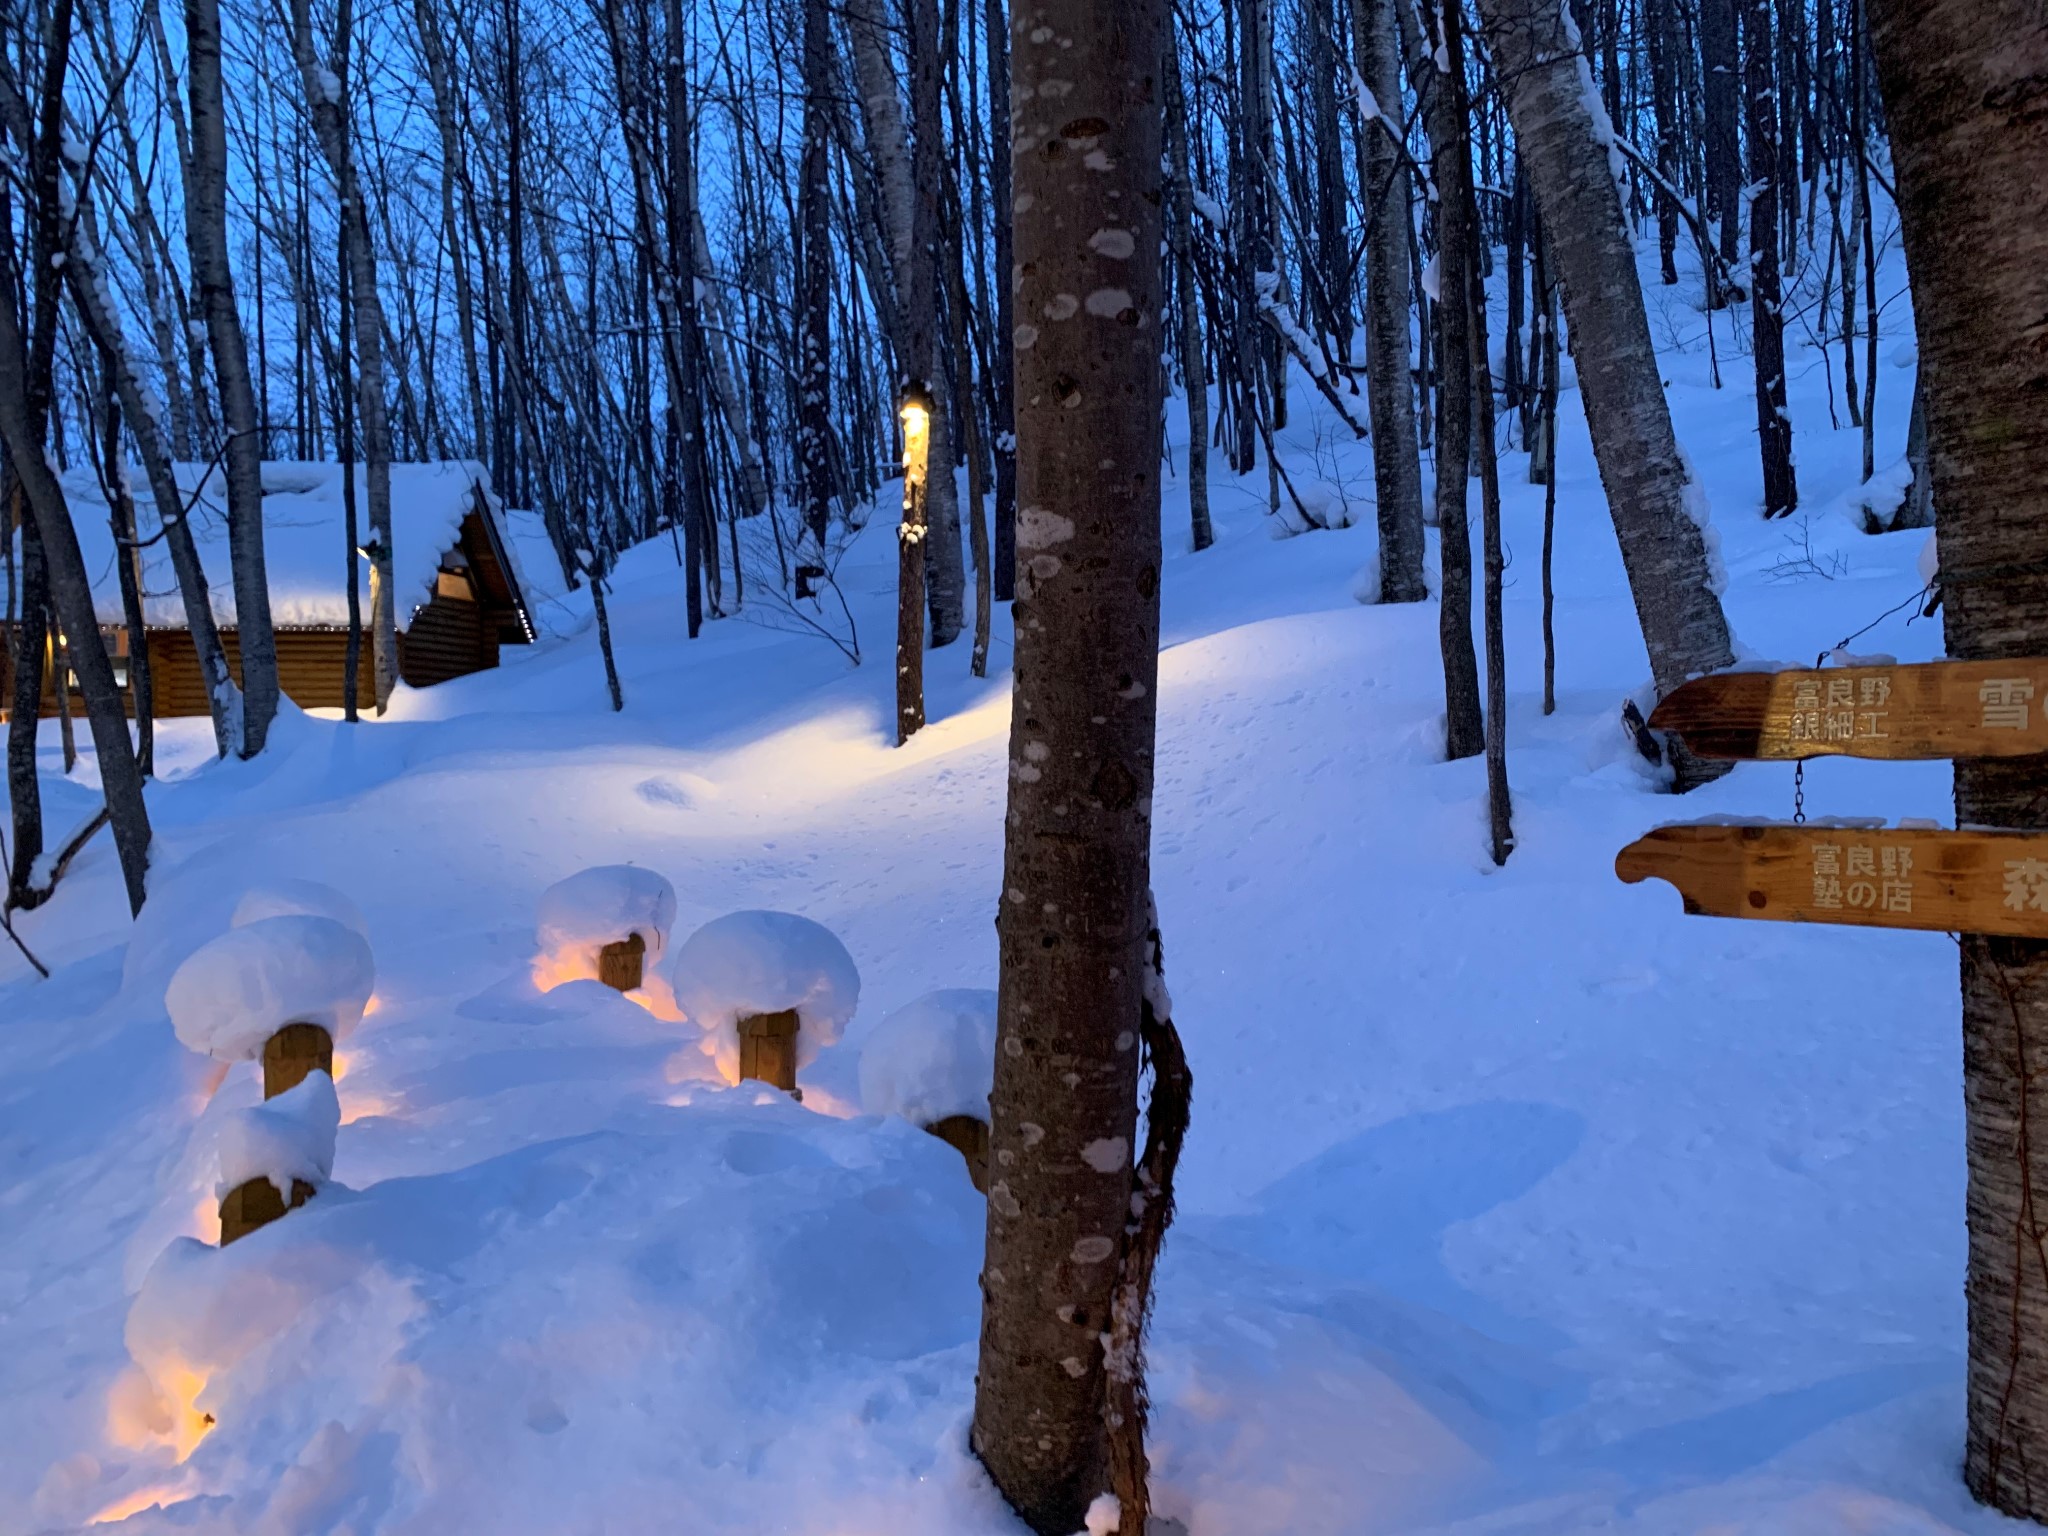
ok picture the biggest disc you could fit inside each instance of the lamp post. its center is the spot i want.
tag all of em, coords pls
(915, 412)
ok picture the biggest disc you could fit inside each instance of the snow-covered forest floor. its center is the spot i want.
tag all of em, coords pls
(1515, 1200)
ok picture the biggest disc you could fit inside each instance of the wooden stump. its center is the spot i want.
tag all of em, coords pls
(623, 966)
(292, 1054)
(768, 1048)
(257, 1204)
(969, 1137)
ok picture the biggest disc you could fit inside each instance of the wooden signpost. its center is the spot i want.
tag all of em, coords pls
(1882, 877)
(1932, 709)
(1870, 875)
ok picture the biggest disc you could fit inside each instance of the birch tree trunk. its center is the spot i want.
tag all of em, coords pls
(325, 99)
(1650, 492)
(206, 234)
(1396, 464)
(1962, 90)
(1075, 913)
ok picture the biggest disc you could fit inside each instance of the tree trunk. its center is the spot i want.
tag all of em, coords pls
(1767, 320)
(814, 300)
(29, 638)
(1499, 810)
(206, 235)
(1396, 465)
(325, 96)
(1962, 92)
(1332, 250)
(1723, 148)
(85, 273)
(1662, 25)
(1650, 492)
(1075, 917)
(1450, 158)
(71, 599)
(1918, 511)
(1003, 422)
(1194, 361)
(428, 24)
(945, 575)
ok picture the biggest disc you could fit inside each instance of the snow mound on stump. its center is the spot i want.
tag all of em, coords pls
(298, 898)
(600, 906)
(235, 993)
(932, 1058)
(766, 962)
(282, 1139)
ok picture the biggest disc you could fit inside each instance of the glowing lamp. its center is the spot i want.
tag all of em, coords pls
(915, 412)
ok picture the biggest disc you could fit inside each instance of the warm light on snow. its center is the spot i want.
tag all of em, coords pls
(206, 1220)
(158, 1408)
(153, 1497)
(188, 1425)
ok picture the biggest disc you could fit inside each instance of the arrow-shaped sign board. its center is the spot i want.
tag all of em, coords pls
(1931, 709)
(1885, 877)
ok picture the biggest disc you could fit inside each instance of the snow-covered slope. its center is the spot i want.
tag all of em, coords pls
(1515, 1200)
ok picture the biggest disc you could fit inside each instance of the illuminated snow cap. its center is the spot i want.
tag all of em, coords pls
(234, 993)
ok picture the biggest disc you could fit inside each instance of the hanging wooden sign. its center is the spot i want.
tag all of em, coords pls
(1884, 877)
(1930, 709)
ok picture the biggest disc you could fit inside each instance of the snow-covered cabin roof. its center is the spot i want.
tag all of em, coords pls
(305, 545)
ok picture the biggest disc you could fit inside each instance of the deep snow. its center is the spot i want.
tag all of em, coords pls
(1515, 1200)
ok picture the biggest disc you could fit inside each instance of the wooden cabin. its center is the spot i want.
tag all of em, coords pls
(460, 596)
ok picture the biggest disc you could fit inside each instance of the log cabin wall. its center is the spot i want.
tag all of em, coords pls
(475, 608)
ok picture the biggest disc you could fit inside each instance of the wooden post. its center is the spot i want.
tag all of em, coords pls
(969, 1137)
(257, 1204)
(768, 1048)
(292, 1054)
(622, 966)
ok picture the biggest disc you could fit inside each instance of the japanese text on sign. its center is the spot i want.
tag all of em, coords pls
(2005, 701)
(1841, 709)
(1863, 877)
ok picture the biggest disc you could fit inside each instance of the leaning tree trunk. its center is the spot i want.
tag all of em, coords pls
(1962, 90)
(1766, 316)
(1650, 490)
(1396, 465)
(71, 599)
(1075, 922)
(324, 95)
(206, 234)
